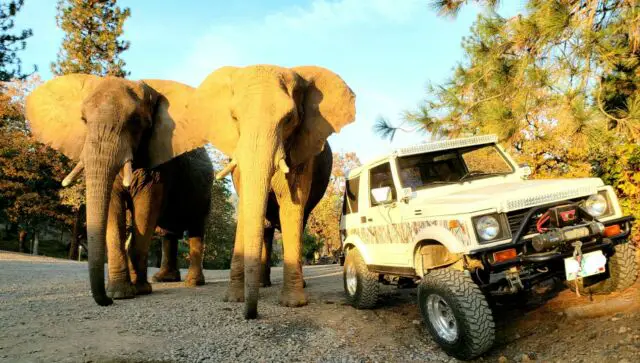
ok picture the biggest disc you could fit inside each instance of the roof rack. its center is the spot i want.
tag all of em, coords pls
(446, 144)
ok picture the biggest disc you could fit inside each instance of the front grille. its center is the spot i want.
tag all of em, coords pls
(516, 217)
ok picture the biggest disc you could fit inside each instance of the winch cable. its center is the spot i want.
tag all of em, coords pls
(577, 255)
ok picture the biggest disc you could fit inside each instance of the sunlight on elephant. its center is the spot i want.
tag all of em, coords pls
(271, 121)
(117, 130)
(319, 181)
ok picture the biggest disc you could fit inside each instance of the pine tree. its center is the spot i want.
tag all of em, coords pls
(559, 84)
(11, 44)
(91, 44)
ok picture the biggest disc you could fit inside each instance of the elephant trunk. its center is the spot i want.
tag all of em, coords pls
(257, 156)
(102, 162)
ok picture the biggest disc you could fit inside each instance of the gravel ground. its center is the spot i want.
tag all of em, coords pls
(47, 315)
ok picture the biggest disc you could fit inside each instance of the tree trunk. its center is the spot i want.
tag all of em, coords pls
(78, 225)
(22, 241)
(35, 243)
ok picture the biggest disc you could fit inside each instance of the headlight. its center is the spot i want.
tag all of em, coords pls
(488, 227)
(596, 205)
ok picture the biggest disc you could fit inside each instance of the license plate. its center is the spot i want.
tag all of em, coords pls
(592, 263)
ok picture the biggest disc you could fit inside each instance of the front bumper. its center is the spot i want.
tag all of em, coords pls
(526, 255)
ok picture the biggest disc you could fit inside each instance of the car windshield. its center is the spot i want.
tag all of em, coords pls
(451, 166)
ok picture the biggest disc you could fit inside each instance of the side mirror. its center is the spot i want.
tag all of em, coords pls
(525, 170)
(382, 195)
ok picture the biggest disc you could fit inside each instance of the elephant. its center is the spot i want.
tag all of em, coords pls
(271, 121)
(120, 132)
(185, 207)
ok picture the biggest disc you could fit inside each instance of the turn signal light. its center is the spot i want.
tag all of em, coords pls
(504, 255)
(612, 230)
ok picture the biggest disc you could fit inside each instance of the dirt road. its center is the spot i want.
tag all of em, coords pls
(47, 315)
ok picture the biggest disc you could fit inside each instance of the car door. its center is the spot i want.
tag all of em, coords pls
(380, 219)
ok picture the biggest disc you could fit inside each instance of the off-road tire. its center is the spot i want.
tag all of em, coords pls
(474, 319)
(367, 287)
(623, 272)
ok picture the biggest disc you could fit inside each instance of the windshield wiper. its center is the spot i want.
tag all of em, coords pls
(474, 173)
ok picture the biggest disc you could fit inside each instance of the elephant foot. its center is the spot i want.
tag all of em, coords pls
(234, 294)
(293, 299)
(121, 290)
(143, 288)
(194, 278)
(166, 275)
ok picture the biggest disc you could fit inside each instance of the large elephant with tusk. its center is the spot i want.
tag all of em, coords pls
(272, 122)
(120, 132)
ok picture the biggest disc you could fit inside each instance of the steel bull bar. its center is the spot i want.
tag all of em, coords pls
(555, 238)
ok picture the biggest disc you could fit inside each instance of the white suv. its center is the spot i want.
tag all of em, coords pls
(460, 217)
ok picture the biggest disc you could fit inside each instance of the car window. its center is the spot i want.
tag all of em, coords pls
(486, 160)
(351, 192)
(424, 170)
(380, 176)
(451, 166)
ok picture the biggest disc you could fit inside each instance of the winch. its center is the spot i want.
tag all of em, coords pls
(559, 236)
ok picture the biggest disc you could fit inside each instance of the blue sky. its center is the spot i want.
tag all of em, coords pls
(386, 50)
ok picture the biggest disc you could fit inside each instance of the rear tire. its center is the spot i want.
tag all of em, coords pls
(360, 285)
(623, 271)
(456, 313)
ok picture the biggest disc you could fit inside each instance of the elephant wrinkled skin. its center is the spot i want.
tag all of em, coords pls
(320, 180)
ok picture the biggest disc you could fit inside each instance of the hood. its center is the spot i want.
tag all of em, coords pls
(502, 197)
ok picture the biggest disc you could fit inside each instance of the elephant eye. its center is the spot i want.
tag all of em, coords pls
(288, 118)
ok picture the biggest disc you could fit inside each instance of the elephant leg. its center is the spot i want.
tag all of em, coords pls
(169, 271)
(119, 285)
(235, 293)
(266, 257)
(195, 277)
(292, 197)
(293, 284)
(146, 207)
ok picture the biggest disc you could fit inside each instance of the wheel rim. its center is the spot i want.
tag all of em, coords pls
(352, 279)
(442, 318)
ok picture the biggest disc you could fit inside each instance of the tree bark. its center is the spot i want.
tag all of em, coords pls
(78, 225)
(22, 241)
(35, 243)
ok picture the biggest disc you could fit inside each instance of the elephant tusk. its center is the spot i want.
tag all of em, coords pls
(282, 165)
(73, 175)
(128, 174)
(227, 169)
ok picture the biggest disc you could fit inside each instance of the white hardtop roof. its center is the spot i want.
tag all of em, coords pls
(429, 147)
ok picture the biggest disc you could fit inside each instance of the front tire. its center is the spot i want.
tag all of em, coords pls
(456, 313)
(623, 272)
(360, 285)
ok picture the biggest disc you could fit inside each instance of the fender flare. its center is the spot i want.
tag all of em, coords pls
(440, 235)
(353, 241)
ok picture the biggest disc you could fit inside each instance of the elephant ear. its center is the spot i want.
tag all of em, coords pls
(170, 135)
(54, 112)
(328, 104)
